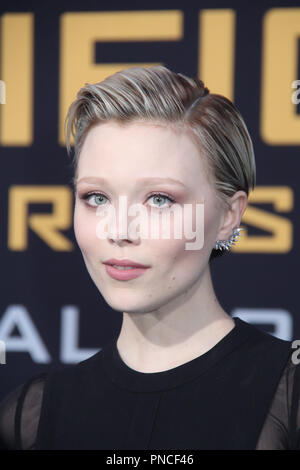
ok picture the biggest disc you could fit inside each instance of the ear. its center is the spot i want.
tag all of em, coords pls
(232, 216)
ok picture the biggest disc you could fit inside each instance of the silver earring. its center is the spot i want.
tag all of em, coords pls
(227, 244)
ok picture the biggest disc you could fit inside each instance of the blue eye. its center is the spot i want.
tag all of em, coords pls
(97, 197)
(161, 196)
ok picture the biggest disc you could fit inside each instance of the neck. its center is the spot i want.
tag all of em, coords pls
(175, 333)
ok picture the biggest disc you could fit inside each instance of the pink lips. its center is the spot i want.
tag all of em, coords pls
(124, 262)
(124, 275)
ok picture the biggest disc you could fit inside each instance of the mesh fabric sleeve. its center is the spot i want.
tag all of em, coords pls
(20, 413)
(281, 429)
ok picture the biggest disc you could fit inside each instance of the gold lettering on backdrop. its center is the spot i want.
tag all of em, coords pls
(217, 50)
(281, 240)
(280, 124)
(77, 65)
(16, 68)
(46, 226)
(279, 121)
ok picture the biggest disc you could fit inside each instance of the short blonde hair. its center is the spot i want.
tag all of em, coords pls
(157, 94)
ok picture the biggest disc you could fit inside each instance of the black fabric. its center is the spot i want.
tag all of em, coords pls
(20, 414)
(295, 412)
(241, 394)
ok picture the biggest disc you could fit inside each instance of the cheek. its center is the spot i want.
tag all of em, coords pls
(83, 229)
(179, 268)
(194, 244)
(185, 265)
(176, 261)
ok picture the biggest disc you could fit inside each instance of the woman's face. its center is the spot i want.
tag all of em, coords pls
(129, 160)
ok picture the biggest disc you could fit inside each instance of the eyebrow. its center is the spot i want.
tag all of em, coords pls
(140, 180)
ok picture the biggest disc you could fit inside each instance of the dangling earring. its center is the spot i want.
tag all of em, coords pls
(227, 244)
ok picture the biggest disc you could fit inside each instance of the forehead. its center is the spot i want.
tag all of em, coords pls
(141, 147)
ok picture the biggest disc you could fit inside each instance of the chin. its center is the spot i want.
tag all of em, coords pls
(134, 305)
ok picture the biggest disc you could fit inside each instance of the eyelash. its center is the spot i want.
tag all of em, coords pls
(86, 196)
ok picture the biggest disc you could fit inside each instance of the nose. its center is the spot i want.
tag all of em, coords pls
(119, 238)
(119, 228)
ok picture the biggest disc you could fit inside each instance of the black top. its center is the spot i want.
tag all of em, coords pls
(244, 393)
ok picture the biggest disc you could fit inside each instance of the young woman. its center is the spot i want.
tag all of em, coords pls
(182, 373)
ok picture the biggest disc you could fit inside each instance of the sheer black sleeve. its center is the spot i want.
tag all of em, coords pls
(20, 413)
(281, 429)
